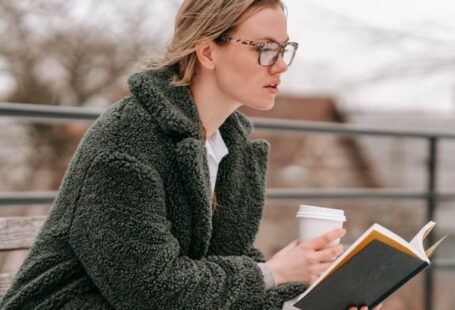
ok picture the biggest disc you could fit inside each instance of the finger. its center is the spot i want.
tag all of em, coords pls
(320, 268)
(329, 254)
(324, 240)
(378, 307)
(353, 308)
(364, 308)
(291, 245)
(313, 278)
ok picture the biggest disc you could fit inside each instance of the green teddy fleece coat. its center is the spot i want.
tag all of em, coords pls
(132, 226)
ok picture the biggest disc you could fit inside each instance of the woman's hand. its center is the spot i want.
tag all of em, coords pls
(304, 262)
(378, 307)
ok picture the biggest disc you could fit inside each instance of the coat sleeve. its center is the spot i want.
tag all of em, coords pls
(279, 297)
(120, 233)
(255, 254)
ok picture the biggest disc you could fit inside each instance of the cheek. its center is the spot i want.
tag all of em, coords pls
(240, 78)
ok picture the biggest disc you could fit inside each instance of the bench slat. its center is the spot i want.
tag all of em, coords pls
(19, 232)
(5, 283)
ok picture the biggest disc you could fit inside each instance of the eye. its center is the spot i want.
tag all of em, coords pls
(270, 47)
(268, 50)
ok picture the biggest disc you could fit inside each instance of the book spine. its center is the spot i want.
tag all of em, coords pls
(398, 285)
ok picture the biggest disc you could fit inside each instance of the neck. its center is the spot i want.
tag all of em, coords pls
(214, 107)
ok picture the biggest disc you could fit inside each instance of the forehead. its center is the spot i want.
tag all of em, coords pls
(267, 22)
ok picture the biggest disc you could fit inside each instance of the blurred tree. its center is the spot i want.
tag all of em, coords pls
(56, 55)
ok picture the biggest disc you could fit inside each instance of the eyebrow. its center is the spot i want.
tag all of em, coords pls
(273, 40)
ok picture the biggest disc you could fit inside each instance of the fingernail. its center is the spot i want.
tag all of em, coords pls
(342, 232)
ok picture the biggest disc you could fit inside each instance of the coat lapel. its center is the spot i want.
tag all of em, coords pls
(192, 163)
(240, 189)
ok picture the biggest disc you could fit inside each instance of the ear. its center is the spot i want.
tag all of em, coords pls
(204, 52)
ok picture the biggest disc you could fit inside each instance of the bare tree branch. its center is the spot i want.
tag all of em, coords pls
(55, 58)
(428, 54)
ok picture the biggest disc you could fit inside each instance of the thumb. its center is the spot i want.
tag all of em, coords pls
(295, 242)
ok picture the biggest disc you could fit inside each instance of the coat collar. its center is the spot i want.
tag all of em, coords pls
(174, 108)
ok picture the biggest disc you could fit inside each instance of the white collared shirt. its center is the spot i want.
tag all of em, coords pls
(216, 150)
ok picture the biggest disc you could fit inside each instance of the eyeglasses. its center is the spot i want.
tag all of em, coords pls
(269, 51)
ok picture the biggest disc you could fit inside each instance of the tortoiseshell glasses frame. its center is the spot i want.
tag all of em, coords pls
(269, 51)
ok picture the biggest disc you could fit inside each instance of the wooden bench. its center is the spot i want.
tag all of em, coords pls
(16, 233)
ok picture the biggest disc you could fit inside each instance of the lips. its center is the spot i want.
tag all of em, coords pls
(272, 88)
(273, 85)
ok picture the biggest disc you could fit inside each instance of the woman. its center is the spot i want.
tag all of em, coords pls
(139, 222)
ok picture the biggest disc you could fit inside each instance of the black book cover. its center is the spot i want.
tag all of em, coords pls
(366, 279)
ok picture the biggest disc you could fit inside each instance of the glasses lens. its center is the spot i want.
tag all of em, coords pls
(289, 53)
(269, 53)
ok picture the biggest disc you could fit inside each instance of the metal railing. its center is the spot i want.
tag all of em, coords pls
(42, 113)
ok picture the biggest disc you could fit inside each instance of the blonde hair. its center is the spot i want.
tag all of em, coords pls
(203, 19)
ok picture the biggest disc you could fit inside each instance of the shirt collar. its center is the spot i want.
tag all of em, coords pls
(216, 148)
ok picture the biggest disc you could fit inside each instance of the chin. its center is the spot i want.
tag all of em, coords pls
(263, 105)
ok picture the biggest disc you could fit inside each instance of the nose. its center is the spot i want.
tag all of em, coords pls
(279, 66)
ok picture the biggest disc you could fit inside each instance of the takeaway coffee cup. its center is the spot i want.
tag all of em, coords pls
(316, 221)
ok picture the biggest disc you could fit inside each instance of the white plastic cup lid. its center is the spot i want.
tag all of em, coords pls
(321, 213)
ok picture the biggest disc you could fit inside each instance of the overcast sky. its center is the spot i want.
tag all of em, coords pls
(336, 54)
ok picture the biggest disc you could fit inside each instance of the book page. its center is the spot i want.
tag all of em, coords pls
(417, 241)
(430, 251)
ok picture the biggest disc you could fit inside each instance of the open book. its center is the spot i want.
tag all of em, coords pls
(372, 268)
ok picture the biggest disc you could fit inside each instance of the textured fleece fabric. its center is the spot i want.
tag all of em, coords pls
(132, 226)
